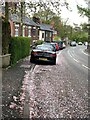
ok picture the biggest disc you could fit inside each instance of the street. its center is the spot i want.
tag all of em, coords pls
(44, 60)
(58, 91)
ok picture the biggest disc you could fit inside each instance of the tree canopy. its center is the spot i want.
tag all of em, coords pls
(84, 11)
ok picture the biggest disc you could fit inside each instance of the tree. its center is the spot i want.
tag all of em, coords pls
(45, 15)
(35, 6)
(6, 32)
(86, 12)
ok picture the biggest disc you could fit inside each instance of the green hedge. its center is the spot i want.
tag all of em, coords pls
(19, 48)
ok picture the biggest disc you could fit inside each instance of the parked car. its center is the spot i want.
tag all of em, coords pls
(60, 44)
(63, 45)
(85, 43)
(79, 43)
(57, 47)
(43, 53)
(73, 43)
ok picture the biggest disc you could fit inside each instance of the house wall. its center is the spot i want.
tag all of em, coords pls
(48, 36)
(33, 31)
(41, 36)
(13, 27)
(45, 35)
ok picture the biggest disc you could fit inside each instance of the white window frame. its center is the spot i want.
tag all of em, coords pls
(23, 30)
(29, 31)
(35, 31)
(16, 30)
(43, 35)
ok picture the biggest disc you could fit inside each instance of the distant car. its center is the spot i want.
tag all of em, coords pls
(64, 45)
(85, 43)
(72, 43)
(43, 53)
(79, 43)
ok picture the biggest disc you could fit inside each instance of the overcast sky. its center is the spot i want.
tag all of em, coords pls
(73, 16)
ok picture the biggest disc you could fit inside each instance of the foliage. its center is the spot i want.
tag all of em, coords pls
(58, 25)
(35, 6)
(56, 38)
(79, 36)
(45, 15)
(84, 27)
(84, 11)
(19, 48)
(38, 42)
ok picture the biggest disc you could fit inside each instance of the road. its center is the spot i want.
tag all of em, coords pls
(58, 91)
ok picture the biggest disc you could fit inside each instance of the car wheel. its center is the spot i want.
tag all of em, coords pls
(54, 62)
(31, 60)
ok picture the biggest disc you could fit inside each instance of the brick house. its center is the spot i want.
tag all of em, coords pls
(45, 32)
(29, 27)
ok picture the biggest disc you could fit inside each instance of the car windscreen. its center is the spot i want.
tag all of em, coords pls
(73, 42)
(44, 47)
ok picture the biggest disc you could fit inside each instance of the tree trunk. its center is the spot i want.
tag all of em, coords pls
(6, 32)
(6, 12)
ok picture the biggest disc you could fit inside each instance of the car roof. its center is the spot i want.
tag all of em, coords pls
(47, 45)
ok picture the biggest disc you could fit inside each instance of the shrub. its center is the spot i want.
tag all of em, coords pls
(38, 42)
(56, 38)
(19, 48)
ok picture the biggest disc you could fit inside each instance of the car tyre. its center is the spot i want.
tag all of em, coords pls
(54, 62)
(31, 60)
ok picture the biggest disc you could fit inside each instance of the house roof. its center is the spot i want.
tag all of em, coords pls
(26, 20)
(15, 18)
(46, 27)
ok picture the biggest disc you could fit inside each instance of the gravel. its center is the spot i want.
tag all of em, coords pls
(56, 91)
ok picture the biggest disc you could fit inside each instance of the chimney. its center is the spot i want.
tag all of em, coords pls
(36, 20)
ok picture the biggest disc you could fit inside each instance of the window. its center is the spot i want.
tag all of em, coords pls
(42, 35)
(23, 31)
(34, 31)
(16, 30)
(29, 31)
(50, 34)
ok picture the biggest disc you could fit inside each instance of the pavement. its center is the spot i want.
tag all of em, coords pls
(87, 51)
(12, 78)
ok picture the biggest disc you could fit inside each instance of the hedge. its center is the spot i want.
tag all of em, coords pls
(19, 48)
